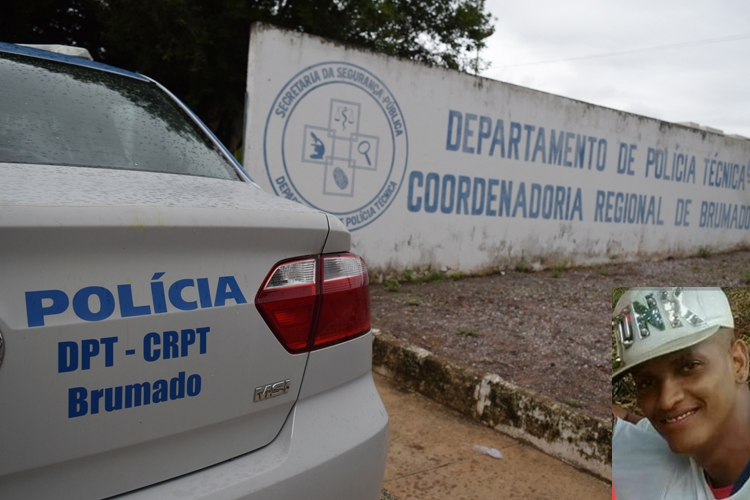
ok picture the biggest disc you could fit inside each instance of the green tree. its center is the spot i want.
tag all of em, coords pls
(67, 22)
(441, 32)
(198, 49)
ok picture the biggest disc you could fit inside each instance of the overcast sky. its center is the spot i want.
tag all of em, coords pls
(707, 83)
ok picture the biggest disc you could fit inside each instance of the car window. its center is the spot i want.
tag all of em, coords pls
(63, 114)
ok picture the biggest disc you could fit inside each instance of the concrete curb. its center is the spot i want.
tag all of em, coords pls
(554, 428)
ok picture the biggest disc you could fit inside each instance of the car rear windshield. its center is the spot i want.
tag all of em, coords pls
(55, 113)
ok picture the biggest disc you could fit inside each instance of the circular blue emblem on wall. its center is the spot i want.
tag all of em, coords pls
(336, 140)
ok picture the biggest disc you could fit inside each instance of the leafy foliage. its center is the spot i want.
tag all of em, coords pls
(198, 49)
(67, 22)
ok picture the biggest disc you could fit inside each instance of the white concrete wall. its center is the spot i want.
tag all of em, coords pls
(435, 168)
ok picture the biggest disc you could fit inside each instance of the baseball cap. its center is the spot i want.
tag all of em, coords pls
(650, 322)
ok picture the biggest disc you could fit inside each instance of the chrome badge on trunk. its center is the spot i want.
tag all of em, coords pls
(271, 390)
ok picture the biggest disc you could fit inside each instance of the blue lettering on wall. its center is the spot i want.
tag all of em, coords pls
(601, 155)
(520, 200)
(580, 154)
(468, 133)
(515, 138)
(431, 193)
(568, 148)
(722, 174)
(498, 139)
(477, 205)
(627, 208)
(464, 191)
(540, 146)
(448, 194)
(555, 148)
(529, 129)
(625, 159)
(682, 168)
(485, 131)
(455, 123)
(682, 211)
(414, 204)
(492, 197)
(724, 215)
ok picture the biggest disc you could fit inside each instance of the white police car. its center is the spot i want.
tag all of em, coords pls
(169, 330)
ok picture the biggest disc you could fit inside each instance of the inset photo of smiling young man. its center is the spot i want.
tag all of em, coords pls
(680, 395)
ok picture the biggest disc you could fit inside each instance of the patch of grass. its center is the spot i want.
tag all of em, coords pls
(614, 256)
(603, 271)
(413, 300)
(468, 332)
(408, 276)
(392, 285)
(409, 298)
(704, 252)
(745, 275)
(575, 403)
(559, 268)
(524, 266)
(431, 278)
(438, 278)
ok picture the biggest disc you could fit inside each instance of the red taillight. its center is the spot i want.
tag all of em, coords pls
(345, 304)
(316, 302)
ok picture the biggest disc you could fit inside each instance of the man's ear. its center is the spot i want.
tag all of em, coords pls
(740, 361)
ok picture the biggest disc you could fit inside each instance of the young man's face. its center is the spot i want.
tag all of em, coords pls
(689, 396)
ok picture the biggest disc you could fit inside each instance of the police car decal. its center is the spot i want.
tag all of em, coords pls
(73, 356)
(84, 402)
(59, 301)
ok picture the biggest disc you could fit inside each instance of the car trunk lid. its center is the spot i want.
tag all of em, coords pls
(133, 345)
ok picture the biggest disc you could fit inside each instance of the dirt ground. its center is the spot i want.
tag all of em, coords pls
(550, 330)
(431, 456)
